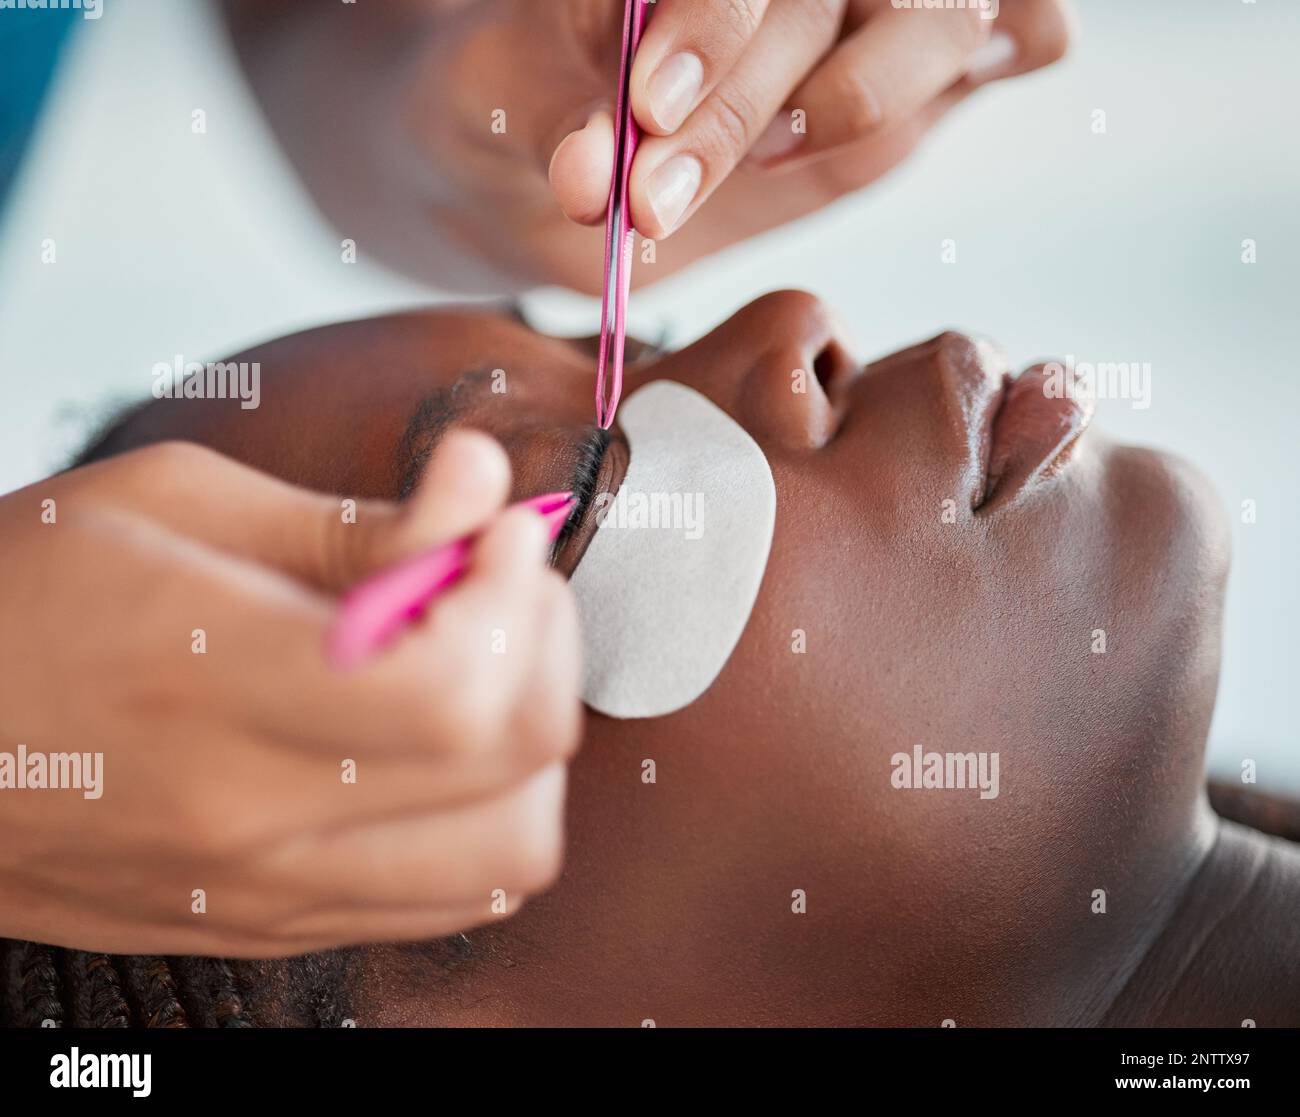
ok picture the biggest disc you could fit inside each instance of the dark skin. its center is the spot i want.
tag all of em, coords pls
(967, 632)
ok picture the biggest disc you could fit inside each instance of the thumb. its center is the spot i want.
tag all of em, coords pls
(581, 168)
(463, 489)
(209, 499)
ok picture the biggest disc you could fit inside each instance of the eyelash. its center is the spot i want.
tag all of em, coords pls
(591, 453)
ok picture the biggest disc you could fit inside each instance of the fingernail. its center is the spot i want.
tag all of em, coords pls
(778, 138)
(674, 88)
(672, 188)
(995, 58)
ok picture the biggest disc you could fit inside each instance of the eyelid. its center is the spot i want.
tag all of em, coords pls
(591, 456)
(608, 453)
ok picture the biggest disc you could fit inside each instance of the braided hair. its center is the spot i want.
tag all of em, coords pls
(46, 986)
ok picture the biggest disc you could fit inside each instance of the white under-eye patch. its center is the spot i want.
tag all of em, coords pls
(670, 576)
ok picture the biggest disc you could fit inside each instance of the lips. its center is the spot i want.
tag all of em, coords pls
(1033, 434)
(1001, 434)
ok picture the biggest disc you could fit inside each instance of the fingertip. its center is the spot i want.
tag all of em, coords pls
(464, 486)
(664, 189)
(644, 116)
(474, 447)
(638, 88)
(473, 464)
(581, 169)
(516, 540)
(662, 100)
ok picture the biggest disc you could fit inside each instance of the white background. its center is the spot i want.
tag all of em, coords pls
(1117, 247)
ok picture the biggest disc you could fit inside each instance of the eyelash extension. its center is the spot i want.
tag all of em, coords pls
(591, 453)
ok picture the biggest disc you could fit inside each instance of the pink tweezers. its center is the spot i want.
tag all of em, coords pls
(373, 613)
(619, 235)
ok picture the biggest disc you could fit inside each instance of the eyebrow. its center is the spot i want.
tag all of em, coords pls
(424, 430)
(437, 410)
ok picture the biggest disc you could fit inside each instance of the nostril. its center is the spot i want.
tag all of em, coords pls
(824, 368)
(796, 387)
(815, 395)
(835, 369)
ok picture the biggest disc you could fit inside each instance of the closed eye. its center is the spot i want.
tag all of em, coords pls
(586, 472)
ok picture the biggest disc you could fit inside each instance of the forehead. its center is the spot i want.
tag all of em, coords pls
(348, 407)
(351, 406)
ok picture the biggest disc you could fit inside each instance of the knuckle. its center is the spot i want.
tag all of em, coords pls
(733, 122)
(854, 101)
(743, 17)
(822, 17)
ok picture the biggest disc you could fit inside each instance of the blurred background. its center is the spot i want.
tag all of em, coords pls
(1122, 245)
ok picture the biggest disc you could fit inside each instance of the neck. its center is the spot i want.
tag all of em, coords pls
(1198, 936)
(1226, 955)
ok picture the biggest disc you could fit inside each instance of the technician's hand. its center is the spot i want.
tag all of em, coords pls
(463, 139)
(783, 81)
(171, 615)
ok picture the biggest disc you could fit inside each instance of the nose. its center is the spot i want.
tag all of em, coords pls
(780, 367)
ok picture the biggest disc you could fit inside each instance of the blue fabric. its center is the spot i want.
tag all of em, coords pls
(30, 42)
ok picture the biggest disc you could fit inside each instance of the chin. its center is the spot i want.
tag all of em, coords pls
(1173, 558)
(1184, 504)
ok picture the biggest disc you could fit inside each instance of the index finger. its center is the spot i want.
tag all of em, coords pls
(687, 48)
(444, 681)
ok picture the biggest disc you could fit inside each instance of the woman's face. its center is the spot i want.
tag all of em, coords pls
(956, 565)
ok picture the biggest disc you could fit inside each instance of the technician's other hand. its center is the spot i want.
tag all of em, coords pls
(471, 141)
(168, 608)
